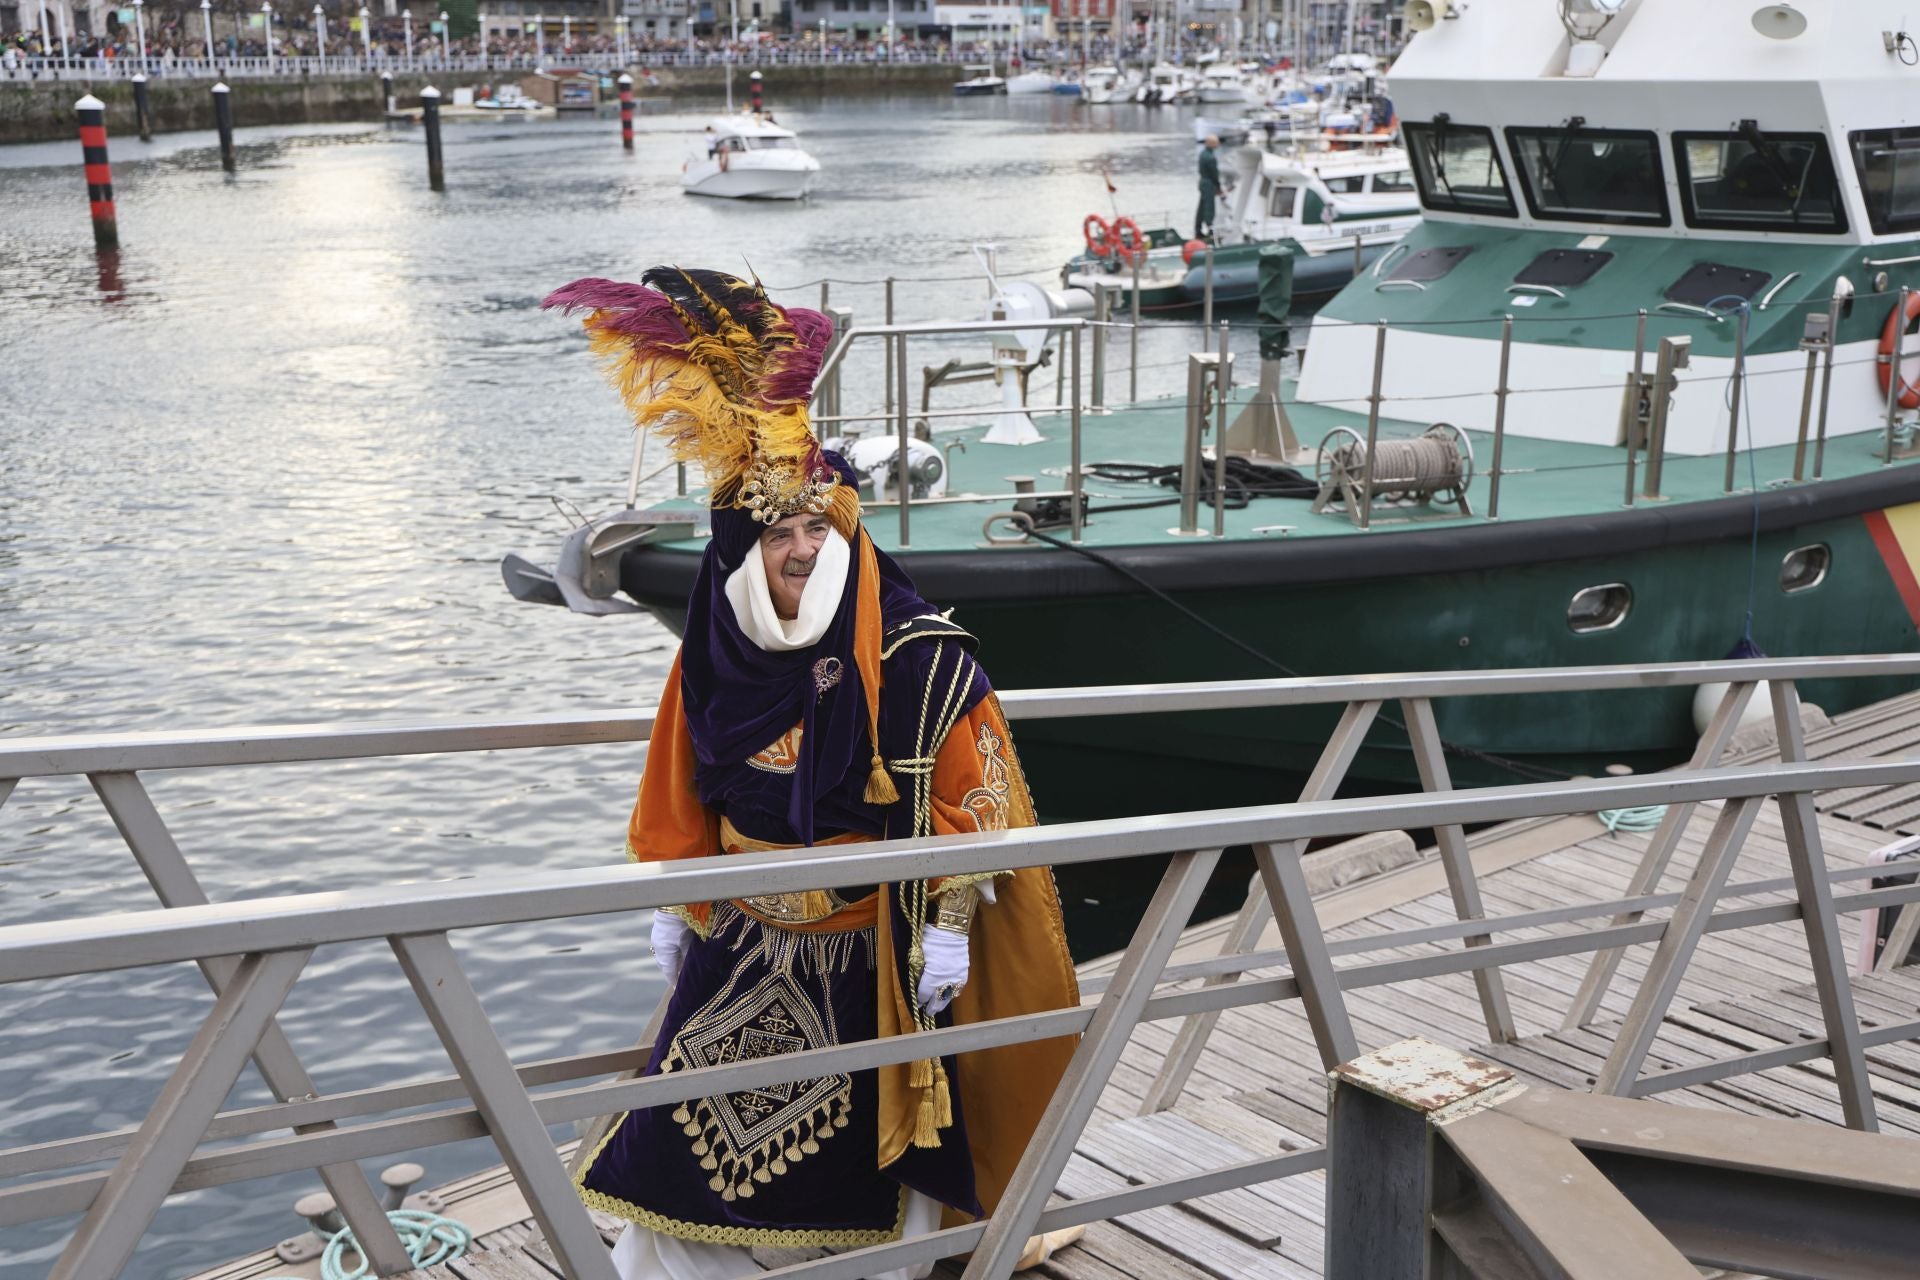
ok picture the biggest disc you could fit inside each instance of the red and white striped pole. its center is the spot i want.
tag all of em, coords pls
(754, 81)
(626, 111)
(93, 146)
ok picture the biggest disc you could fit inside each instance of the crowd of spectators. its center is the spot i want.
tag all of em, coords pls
(171, 35)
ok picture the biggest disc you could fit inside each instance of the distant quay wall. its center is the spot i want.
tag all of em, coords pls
(42, 110)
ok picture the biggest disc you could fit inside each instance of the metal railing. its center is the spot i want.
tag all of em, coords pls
(252, 952)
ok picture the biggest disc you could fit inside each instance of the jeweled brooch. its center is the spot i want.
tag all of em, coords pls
(826, 674)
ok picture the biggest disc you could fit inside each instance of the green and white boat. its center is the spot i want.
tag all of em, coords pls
(1660, 255)
(1335, 202)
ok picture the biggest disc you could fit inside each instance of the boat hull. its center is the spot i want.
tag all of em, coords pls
(743, 182)
(1481, 597)
(1236, 276)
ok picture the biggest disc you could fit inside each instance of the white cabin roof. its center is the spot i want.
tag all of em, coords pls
(745, 125)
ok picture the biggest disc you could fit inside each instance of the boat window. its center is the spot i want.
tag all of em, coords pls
(1351, 185)
(1281, 203)
(773, 144)
(1805, 568)
(1599, 608)
(1397, 181)
(1458, 168)
(1576, 174)
(1888, 162)
(1752, 180)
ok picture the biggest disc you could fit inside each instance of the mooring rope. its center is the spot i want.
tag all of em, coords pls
(429, 1239)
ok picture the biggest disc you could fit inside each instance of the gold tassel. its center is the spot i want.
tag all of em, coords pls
(926, 1130)
(920, 1074)
(942, 1096)
(880, 788)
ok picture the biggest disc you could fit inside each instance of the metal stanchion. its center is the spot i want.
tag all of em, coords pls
(1100, 312)
(1894, 375)
(1739, 386)
(1673, 354)
(887, 348)
(1206, 306)
(1133, 337)
(1373, 421)
(903, 483)
(1220, 386)
(1636, 399)
(1075, 485)
(1826, 385)
(1500, 418)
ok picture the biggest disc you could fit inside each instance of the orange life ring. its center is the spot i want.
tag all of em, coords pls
(1128, 242)
(1889, 337)
(1099, 235)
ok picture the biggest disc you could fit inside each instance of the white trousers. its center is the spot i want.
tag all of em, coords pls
(641, 1254)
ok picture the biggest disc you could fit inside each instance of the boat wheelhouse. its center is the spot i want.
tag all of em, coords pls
(1701, 183)
(747, 157)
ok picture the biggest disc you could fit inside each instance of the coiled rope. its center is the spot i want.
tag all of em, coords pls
(429, 1239)
(1426, 464)
(1645, 818)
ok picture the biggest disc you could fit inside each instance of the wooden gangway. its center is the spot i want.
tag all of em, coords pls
(1258, 1085)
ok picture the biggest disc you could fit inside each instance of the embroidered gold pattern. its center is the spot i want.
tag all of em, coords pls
(782, 755)
(988, 801)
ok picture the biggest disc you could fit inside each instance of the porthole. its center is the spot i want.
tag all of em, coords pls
(1599, 608)
(1804, 568)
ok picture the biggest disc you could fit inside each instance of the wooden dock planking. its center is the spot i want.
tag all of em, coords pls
(1259, 1086)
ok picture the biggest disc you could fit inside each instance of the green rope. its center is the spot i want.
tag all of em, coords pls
(429, 1238)
(1641, 819)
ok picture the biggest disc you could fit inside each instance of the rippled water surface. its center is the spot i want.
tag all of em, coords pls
(261, 470)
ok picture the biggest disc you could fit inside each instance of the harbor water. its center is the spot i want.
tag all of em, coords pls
(261, 469)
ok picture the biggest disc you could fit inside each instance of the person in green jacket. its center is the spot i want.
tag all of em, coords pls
(1209, 188)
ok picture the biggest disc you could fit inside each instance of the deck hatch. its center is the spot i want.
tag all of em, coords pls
(1562, 268)
(1428, 265)
(1708, 282)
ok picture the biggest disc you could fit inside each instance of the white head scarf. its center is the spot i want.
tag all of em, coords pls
(752, 600)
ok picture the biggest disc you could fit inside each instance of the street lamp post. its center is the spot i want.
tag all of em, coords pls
(266, 7)
(539, 39)
(480, 31)
(320, 34)
(406, 25)
(620, 37)
(139, 30)
(206, 25)
(446, 38)
(566, 33)
(366, 33)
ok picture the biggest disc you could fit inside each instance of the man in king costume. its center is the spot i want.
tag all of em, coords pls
(816, 700)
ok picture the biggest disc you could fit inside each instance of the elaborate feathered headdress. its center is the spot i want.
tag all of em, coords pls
(722, 374)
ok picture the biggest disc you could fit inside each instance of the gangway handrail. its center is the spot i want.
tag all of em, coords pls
(252, 951)
(56, 754)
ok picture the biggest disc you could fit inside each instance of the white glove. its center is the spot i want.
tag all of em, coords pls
(946, 953)
(669, 943)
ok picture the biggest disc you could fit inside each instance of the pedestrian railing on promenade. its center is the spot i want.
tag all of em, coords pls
(426, 60)
(252, 952)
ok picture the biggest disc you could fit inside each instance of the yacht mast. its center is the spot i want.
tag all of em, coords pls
(733, 17)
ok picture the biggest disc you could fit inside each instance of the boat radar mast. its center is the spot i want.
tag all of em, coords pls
(1584, 21)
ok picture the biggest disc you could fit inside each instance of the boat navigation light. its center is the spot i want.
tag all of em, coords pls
(1779, 21)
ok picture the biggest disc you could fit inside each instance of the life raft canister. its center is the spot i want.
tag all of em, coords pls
(1897, 320)
(1099, 234)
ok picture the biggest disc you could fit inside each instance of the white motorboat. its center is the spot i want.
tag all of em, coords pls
(1105, 85)
(980, 82)
(1222, 82)
(508, 98)
(1032, 82)
(1166, 84)
(748, 157)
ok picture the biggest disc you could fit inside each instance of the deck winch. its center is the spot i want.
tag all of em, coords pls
(1436, 465)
